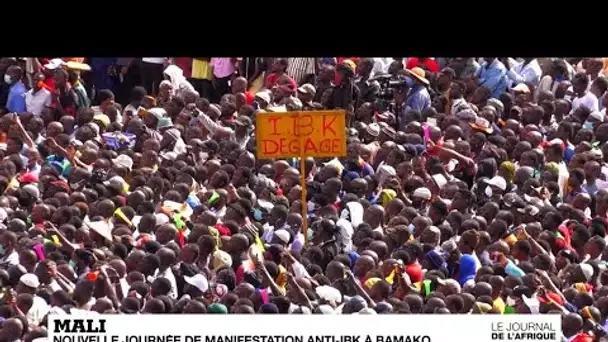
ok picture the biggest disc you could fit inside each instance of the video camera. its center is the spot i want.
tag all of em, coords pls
(388, 86)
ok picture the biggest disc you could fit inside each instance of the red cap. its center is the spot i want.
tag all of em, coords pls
(28, 178)
(223, 230)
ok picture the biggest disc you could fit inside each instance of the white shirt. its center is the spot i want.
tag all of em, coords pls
(588, 100)
(521, 73)
(38, 310)
(546, 83)
(154, 60)
(35, 102)
(10, 260)
(381, 65)
(168, 274)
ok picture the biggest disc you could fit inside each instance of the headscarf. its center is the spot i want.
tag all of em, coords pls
(387, 195)
(217, 308)
(509, 167)
(552, 166)
(178, 81)
(467, 269)
(481, 308)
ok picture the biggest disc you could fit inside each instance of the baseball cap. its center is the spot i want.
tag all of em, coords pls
(307, 89)
(123, 160)
(117, 183)
(54, 64)
(157, 112)
(522, 88)
(264, 95)
(199, 281)
(498, 182)
(32, 190)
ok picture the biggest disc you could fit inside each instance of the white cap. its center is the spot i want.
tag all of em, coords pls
(199, 281)
(123, 160)
(115, 181)
(30, 280)
(161, 219)
(367, 311)
(498, 182)
(282, 234)
(423, 193)
(522, 88)
(373, 129)
(389, 170)
(100, 227)
(325, 309)
(32, 190)
(54, 64)
(264, 95)
(223, 258)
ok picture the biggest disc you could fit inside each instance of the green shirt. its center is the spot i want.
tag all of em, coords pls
(82, 100)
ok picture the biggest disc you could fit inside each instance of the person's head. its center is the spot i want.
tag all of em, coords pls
(279, 65)
(13, 74)
(580, 84)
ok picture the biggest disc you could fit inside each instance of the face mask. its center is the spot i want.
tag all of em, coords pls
(411, 228)
(310, 234)
(2, 251)
(588, 125)
(311, 206)
(7, 79)
(488, 191)
(257, 214)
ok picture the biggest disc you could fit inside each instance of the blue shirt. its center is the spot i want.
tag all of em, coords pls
(419, 99)
(16, 98)
(494, 77)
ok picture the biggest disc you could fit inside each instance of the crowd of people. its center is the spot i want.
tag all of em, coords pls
(470, 185)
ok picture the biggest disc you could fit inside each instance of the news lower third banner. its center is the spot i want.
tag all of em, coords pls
(304, 328)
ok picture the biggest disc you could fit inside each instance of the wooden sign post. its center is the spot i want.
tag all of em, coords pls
(317, 134)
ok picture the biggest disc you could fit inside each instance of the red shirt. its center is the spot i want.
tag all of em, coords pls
(185, 64)
(428, 64)
(49, 83)
(273, 79)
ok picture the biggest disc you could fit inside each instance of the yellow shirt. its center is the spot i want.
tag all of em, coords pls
(499, 305)
(201, 69)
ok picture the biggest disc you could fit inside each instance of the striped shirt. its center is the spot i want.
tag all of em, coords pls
(298, 68)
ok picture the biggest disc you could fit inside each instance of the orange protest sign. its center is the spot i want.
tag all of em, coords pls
(301, 134)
